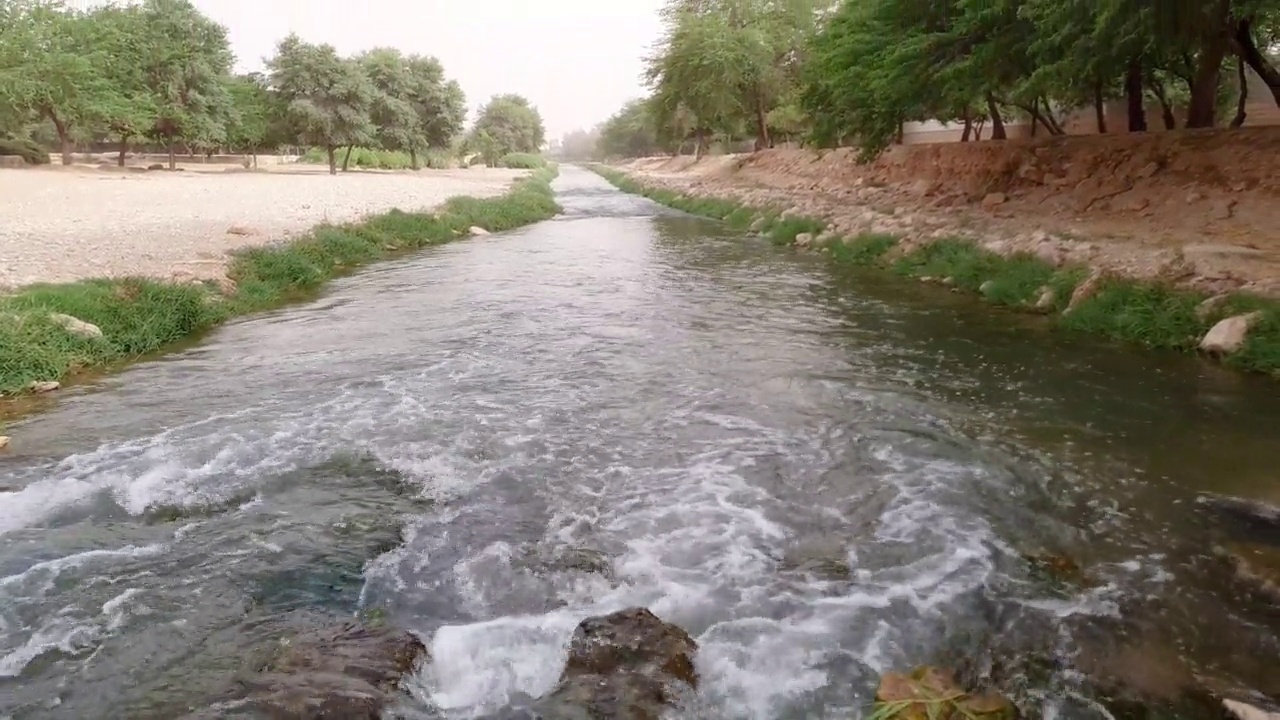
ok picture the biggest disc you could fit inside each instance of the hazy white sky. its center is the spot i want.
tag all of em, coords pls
(576, 60)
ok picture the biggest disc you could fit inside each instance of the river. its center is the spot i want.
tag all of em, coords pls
(822, 474)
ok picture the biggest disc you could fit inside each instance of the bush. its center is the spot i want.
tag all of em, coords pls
(28, 150)
(363, 158)
(522, 161)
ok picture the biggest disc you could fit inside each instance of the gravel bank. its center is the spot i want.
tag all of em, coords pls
(63, 225)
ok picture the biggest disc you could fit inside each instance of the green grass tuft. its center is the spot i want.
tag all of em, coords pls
(522, 161)
(868, 249)
(138, 316)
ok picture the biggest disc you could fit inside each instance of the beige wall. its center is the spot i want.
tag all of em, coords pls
(1260, 109)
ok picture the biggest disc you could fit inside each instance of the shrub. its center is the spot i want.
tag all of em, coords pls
(522, 161)
(364, 158)
(28, 150)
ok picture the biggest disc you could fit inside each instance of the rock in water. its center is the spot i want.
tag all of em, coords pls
(477, 230)
(1253, 520)
(349, 671)
(930, 693)
(4, 441)
(628, 665)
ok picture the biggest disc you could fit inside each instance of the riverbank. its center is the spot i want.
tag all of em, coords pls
(1128, 292)
(67, 224)
(52, 332)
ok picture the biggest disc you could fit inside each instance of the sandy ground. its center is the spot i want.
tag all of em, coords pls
(63, 224)
(1199, 209)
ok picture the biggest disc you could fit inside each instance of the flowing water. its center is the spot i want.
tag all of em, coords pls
(822, 475)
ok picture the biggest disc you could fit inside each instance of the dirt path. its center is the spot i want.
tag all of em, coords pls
(58, 225)
(1196, 209)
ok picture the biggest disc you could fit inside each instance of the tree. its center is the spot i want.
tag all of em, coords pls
(50, 68)
(440, 105)
(628, 133)
(254, 122)
(507, 124)
(123, 36)
(327, 99)
(726, 61)
(188, 65)
(396, 124)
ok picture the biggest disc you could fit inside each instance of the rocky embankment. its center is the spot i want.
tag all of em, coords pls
(1197, 209)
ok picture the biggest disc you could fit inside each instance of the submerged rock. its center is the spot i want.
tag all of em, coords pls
(1255, 565)
(1254, 520)
(931, 693)
(628, 664)
(348, 671)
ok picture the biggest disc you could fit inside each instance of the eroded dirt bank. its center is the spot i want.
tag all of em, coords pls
(1195, 209)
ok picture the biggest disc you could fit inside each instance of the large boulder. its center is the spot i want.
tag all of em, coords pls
(629, 665)
(350, 671)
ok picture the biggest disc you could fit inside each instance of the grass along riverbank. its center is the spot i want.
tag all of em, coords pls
(1149, 314)
(133, 317)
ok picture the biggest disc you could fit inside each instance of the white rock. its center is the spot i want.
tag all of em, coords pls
(477, 230)
(804, 240)
(1229, 335)
(1047, 298)
(1086, 290)
(1206, 309)
(4, 441)
(44, 386)
(76, 326)
(986, 286)
(1245, 711)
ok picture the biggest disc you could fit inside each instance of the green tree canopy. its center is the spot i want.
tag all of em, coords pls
(507, 124)
(327, 98)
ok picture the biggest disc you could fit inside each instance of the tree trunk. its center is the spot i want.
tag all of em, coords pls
(64, 136)
(255, 159)
(413, 158)
(977, 129)
(333, 159)
(699, 147)
(124, 150)
(1133, 93)
(1166, 110)
(1244, 95)
(347, 158)
(1099, 108)
(997, 123)
(1202, 109)
(1248, 50)
(902, 132)
(173, 160)
(762, 126)
(967, 116)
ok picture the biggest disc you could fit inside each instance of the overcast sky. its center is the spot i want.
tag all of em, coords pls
(576, 60)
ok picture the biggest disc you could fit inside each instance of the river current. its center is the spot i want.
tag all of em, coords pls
(822, 474)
